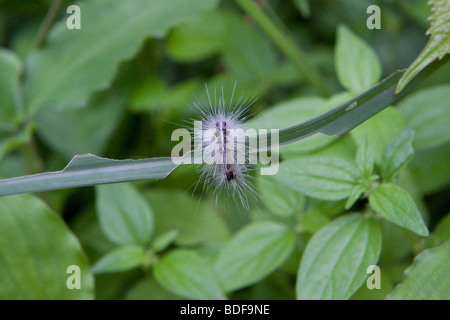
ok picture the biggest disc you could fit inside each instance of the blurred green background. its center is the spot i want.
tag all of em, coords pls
(118, 87)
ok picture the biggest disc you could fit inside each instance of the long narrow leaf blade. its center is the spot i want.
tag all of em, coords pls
(88, 170)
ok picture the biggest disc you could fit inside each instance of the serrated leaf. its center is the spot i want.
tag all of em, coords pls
(253, 253)
(124, 215)
(336, 258)
(357, 65)
(36, 250)
(120, 259)
(326, 178)
(396, 205)
(428, 278)
(186, 274)
(397, 153)
(428, 114)
(75, 63)
(438, 45)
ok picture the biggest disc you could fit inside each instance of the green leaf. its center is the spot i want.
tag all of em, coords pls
(196, 222)
(70, 131)
(380, 129)
(364, 157)
(396, 205)
(428, 278)
(87, 170)
(75, 63)
(186, 274)
(280, 198)
(335, 260)
(10, 98)
(397, 153)
(198, 39)
(357, 65)
(120, 259)
(164, 240)
(427, 113)
(253, 253)
(124, 215)
(438, 45)
(324, 178)
(36, 250)
(354, 196)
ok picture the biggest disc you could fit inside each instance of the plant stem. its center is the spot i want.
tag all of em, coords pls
(285, 44)
(47, 23)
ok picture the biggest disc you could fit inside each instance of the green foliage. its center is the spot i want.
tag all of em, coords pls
(363, 177)
(437, 46)
(357, 65)
(396, 205)
(37, 250)
(188, 275)
(335, 260)
(253, 253)
(124, 216)
(428, 278)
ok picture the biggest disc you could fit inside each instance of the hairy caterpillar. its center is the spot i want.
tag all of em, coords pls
(220, 140)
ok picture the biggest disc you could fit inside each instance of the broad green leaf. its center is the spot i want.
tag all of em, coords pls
(397, 153)
(336, 258)
(10, 98)
(186, 274)
(438, 45)
(196, 222)
(379, 130)
(324, 178)
(70, 131)
(120, 259)
(124, 215)
(427, 113)
(396, 205)
(428, 278)
(87, 170)
(37, 248)
(75, 63)
(164, 240)
(280, 198)
(253, 253)
(357, 65)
